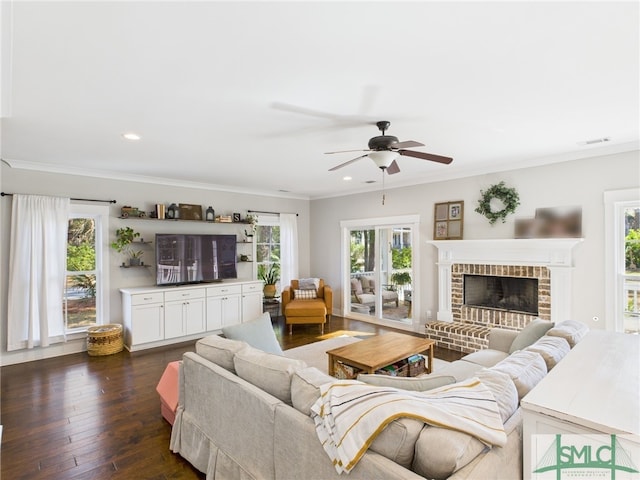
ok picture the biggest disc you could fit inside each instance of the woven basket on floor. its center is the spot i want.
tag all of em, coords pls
(104, 339)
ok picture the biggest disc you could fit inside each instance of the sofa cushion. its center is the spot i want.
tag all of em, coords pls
(503, 390)
(272, 373)
(220, 350)
(439, 452)
(305, 388)
(398, 440)
(417, 384)
(367, 285)
(460, 370)
(529, 334)
(356, 286)
(258, 333)
(525, 368)
(486, 358)
(571, 330)
(552, 349)
(305, 294)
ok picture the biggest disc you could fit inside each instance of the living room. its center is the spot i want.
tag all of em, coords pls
(284, 169)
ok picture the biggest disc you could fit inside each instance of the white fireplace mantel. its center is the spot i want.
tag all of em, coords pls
(529, 251)
(554, 253)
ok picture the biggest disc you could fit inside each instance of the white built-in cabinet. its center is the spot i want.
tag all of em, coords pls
(156, 316)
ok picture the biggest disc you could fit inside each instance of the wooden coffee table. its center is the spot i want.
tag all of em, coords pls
(377, 352)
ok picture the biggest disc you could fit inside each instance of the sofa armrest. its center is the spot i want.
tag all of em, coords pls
(286, 297)
(328, 299)
(501, 339)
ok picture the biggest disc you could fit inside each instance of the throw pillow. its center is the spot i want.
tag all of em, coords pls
(525, 368)
(309, 283)
(398, 440)
(258, 333)
(529, 334)
(271, 373)
(571, 330)
(305, 294)
(553, 349)
(416, 384)
(356, 286)
(219, 350)
(366, 285)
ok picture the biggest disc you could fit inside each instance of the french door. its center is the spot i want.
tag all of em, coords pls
(379, 258)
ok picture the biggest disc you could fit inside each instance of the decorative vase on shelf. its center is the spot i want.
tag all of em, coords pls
(210, 215)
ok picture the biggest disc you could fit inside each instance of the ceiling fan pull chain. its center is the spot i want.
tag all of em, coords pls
(383, 194)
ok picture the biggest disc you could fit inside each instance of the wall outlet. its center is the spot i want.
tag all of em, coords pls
(429, 315)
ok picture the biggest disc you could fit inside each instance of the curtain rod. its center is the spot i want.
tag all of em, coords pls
(268, 213)
(4, 194)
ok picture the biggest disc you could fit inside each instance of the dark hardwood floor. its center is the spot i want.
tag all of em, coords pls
(82, 417)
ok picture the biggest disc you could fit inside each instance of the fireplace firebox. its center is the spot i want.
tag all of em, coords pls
(511, 294)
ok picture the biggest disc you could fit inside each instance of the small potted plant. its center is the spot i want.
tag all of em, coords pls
(270, 277)
(124, 239)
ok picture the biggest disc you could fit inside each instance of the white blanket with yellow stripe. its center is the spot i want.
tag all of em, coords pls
(350, 414)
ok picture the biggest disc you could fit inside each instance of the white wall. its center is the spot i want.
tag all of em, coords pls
(137, 194)
(579, 182)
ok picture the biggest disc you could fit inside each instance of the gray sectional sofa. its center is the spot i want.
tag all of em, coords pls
(244, 413)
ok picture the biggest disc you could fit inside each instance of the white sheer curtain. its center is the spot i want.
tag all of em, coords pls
(288, 248)
(37, 268)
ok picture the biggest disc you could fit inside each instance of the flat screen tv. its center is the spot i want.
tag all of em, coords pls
(183, 259)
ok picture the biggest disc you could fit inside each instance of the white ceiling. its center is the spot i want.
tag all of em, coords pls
(251, 95)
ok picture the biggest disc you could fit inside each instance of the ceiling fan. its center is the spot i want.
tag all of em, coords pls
(384, 149)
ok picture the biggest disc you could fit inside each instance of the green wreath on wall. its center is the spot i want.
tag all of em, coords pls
(508, 196)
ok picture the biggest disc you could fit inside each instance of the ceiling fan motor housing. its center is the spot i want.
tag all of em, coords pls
(382, 142)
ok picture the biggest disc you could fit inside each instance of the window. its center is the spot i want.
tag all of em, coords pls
(622, 253)
(85, 284)
(631, 276)
(267, 246)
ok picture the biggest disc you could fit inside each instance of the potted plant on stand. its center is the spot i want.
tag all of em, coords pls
(270, 277)
(124, 239)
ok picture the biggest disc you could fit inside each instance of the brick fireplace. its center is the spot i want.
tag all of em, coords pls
(508, 275)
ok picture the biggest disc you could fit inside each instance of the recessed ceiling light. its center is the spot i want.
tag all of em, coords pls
(347, 178)
(131, 136)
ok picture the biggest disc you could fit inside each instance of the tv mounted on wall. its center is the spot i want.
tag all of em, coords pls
(183, 259)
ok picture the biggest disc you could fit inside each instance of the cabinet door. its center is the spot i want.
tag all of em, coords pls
(251, 306)
(214, 313)
(195, 318)
(174, 319)
(231, 310)
(147, 323)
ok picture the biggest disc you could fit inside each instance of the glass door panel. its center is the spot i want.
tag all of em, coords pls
(381, 272)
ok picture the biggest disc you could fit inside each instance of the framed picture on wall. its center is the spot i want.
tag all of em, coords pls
(448, 220)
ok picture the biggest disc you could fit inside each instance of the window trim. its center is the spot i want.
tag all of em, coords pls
(101, 215)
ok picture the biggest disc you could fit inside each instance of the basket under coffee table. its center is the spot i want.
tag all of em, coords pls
(380, 351)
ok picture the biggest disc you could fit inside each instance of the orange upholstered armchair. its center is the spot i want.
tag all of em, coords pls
(307, 300)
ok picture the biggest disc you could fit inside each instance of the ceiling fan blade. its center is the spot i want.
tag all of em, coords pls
(408, 144)
(348, 151)
(393, 168)
(347, 163)
(426, 156)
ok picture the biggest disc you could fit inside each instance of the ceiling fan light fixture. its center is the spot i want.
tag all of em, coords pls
(383, 158)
